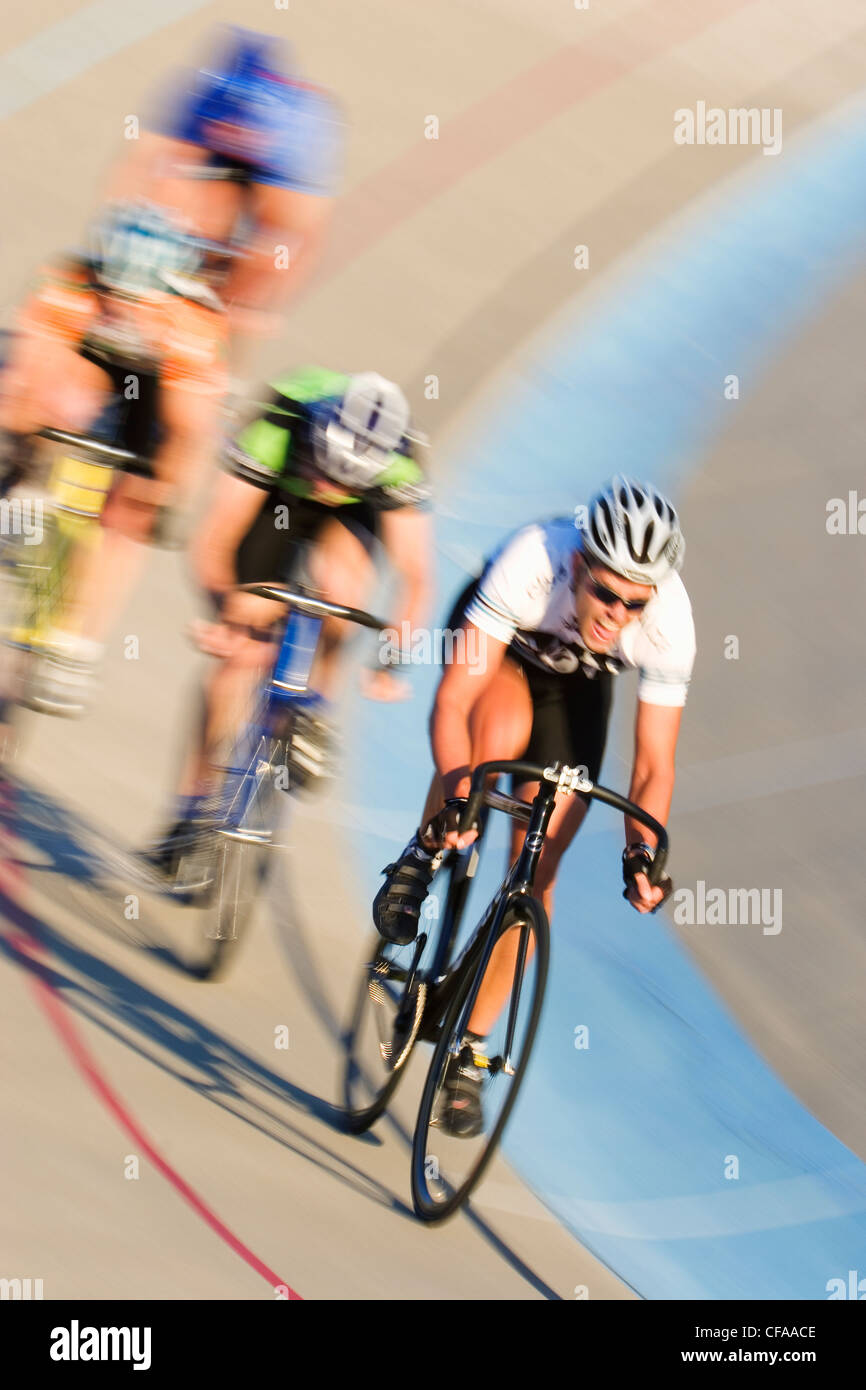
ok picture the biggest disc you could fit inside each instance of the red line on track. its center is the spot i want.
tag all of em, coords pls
(388, 197)
(51, 1001)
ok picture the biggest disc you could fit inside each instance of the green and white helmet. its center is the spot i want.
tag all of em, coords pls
(634, 531)
(354, 445)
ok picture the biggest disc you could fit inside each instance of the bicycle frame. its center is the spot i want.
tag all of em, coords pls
(244, 819)
(286, 687)
(518, 882)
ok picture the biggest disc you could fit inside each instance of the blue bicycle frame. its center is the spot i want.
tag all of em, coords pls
(286, 688)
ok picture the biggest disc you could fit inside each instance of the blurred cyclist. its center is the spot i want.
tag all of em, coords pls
(325, 471)
(244, 149)
(557, 612)
(239, 156)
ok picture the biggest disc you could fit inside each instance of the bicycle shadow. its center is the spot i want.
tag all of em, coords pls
(73, 851)
(182, 1046)
(295, 940)
(77, 863)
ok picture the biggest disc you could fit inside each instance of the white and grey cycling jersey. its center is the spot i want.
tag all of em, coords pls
(526, 597)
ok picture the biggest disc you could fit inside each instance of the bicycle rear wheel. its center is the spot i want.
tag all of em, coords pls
(449, 1155)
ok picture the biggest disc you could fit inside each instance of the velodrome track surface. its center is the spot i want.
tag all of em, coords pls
(446, 258)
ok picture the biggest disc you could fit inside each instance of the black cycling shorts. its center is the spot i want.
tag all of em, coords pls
(570, 712)
(129, 424)
(269, 552)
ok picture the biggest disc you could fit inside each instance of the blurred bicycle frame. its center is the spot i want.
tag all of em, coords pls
(225, 864)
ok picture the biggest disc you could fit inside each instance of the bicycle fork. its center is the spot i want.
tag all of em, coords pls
(493, 938)
(522, 879)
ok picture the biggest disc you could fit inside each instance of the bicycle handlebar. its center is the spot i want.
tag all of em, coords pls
(567, 779)
(314, 607)
(95, 446)
(213, 173)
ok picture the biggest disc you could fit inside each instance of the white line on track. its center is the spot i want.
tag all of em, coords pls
(762, 1206)
(67, 49)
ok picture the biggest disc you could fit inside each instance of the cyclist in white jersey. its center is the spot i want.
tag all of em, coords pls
(557, 612)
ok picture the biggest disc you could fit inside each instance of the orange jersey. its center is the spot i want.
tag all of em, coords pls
(188, 342)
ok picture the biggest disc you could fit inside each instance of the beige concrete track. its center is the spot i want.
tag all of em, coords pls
(555, 129)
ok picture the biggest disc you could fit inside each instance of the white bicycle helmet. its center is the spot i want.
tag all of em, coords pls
(353, 447)
(634, 531)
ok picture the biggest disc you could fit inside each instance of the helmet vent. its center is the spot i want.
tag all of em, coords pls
(634, 531)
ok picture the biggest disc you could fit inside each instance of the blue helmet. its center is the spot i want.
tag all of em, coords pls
(245, 94)
(246, 106)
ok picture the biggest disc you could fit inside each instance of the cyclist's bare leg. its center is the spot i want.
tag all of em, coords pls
(227, 697)
(341, 568)
(500, 723)
(564, 824)
(46, 382)
(191, 421)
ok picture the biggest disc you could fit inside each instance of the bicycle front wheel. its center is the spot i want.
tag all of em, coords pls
(32, 580)
(239, 851)
(385, 1020)
(471, 1087)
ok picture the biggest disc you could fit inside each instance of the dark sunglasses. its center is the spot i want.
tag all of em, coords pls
(610, 597)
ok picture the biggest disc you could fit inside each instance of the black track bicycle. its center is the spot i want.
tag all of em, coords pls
(427, 991)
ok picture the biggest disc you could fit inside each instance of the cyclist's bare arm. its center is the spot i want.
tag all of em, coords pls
(155, 169)
(652, 783)
(143, 163)
(154, 165)
(191, 422)
(407, 534)
(654, 772)
(235, 504)
(262, 281)
(474, 667)
(151, 168)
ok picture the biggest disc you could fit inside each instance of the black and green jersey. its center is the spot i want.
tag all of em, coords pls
(275, 450)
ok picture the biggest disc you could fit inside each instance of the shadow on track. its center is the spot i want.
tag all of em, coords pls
(79, 866)
(56, 843)
(295, 942)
